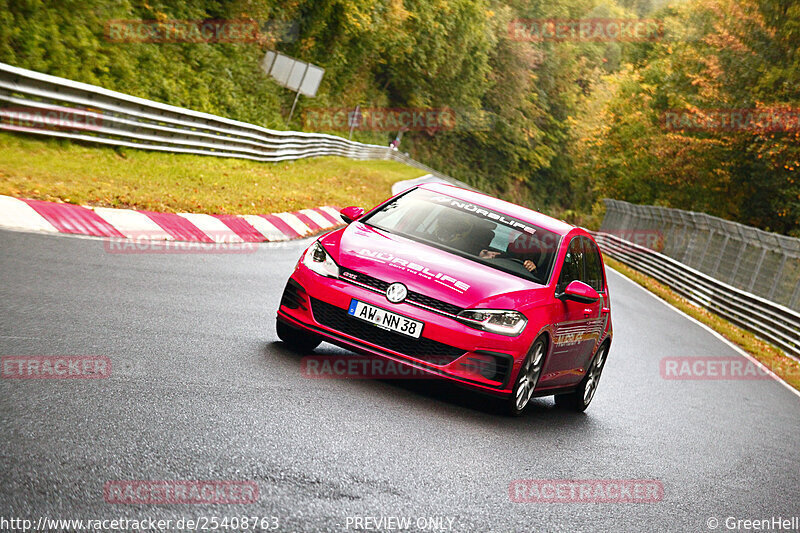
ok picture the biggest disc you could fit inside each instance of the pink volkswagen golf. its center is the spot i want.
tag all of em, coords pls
(463, 286)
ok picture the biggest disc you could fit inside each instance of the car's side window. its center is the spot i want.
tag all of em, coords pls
(594, 268)
(573, 267)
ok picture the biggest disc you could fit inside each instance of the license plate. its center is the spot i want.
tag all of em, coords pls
(385, 319)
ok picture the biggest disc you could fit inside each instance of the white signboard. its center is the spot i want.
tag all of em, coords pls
(297, 75)
(293, 74)
(281, 68)
(266, 63)
(312, 80)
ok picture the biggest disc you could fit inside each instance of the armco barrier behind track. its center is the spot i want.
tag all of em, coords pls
(753, 260)
(38, 103)
(770, 321)
(48, 105)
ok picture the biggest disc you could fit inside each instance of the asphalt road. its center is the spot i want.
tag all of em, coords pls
(202, 390)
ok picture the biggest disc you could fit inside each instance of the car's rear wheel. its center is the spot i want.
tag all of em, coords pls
(296, 339)
(528, 378)
(580, 399)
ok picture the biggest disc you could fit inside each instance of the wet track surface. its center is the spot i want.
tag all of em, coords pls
(201, 389)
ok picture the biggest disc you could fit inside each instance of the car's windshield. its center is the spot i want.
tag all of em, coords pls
(471, 231)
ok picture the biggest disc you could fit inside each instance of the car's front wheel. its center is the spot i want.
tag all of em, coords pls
(528, 378)
(297, 340)
(580, 399)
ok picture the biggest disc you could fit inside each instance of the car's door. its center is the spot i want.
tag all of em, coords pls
(592, 313)
(566, 357)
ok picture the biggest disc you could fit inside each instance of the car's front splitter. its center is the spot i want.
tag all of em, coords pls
(357, 345)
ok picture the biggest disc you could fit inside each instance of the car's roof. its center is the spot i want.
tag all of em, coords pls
(517, 211)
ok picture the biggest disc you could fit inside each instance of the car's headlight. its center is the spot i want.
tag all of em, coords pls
(500, 321)
(318, 260)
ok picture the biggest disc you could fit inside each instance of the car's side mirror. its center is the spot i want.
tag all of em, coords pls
(351, 213)
(578, 291)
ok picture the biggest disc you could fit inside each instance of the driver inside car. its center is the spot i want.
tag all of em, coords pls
(525, 249)
(453, 230)
(460, 232)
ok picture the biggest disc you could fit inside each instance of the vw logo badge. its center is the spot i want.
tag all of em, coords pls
(396, 293)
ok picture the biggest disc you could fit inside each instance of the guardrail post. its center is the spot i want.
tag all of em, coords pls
(732, 276)
(719, 257)
(774, 284)
(711, 233)
(684, 238)
(688, 252)
(756, 270)
(795, 296)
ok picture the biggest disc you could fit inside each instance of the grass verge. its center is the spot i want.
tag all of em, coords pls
(772, 357)
(59, 170)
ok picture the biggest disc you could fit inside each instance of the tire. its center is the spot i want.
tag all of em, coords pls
(297, 340)
(580, 399)
(528, 378)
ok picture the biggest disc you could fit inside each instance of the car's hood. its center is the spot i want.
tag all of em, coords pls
(425, 269)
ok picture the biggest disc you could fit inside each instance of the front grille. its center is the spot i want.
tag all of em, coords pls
(412, 297)
(427, 301)
(364, 279)
(422, 348)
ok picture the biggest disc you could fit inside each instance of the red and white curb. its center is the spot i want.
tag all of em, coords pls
(52, 217)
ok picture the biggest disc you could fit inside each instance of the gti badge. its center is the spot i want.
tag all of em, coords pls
(396, 293)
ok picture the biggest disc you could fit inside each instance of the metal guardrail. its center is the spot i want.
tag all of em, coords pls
(768, 320)
(108, 117)
(756, 261)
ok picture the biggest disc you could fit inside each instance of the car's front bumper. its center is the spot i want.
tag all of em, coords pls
(447, 348)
